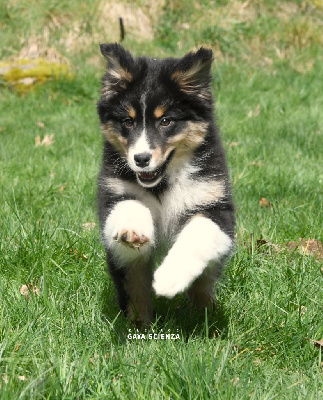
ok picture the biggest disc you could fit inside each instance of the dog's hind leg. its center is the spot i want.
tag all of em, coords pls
(133, 287)
(138, 286)
(201, 292)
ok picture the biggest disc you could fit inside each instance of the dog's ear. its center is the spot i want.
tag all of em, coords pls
(119, 66)
(193, 73)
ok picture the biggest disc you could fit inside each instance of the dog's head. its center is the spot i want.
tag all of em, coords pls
(155, 111)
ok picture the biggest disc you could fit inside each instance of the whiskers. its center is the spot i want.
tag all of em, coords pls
(121, 166)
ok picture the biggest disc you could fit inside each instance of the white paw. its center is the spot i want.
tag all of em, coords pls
(175, 277)
(129, 227)
(200, 242)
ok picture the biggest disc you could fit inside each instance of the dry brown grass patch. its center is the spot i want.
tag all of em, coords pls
(38, 46)
(236, 11)
(136, 21)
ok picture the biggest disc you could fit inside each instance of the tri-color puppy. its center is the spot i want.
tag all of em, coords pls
(163, 185)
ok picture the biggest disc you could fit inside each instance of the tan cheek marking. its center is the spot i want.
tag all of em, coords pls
(114, 137)
(159, 111)
(188, 140)
(132, 112)
(184, 143)
(158, 155)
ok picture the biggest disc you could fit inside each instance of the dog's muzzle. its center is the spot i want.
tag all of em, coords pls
(152, 178)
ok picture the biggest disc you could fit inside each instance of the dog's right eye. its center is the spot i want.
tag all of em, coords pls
(128, 122)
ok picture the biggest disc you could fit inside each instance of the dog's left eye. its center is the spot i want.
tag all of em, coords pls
(165, 122)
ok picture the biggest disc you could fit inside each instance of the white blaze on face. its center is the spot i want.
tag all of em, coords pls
(141, 145)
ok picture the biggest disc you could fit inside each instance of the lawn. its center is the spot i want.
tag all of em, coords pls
(61, 333)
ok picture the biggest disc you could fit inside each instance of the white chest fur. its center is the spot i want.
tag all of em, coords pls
(184, 194)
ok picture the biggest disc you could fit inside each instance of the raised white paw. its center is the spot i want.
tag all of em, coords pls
(170, 279)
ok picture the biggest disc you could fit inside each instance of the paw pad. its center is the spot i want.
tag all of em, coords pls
(131, 239)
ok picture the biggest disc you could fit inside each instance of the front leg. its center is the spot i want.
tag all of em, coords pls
(200, 242)
(129, 237)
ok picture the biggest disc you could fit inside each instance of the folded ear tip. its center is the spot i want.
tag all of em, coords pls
(102, 47)
(206, 54)
(107, 49)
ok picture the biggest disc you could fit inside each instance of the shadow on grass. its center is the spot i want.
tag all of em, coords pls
(177, 315)
(174, 316)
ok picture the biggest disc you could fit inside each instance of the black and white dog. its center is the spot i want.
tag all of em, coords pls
(164, 183)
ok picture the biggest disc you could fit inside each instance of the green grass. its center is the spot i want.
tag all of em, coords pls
(70, 342)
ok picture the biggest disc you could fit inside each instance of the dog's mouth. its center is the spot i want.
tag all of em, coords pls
(152, 178)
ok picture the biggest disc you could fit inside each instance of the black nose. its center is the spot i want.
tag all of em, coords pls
(142, 160)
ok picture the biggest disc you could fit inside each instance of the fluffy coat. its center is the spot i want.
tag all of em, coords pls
(163, 186)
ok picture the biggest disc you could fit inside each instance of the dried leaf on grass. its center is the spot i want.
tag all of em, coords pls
(62, 188)
(48, 140)
(36, 290)
(78, 255)
(257, 163)
(308, 247)
(302, 310)
(255, 112)
(261, 244)
(235, 381)
(264, 202)
(89, 226)
(94, 358)
(28, 289)
(17, 347)
(24, 290)
(316, 343)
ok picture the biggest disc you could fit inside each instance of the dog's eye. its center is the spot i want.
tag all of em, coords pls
(128, 122)
(165, 122)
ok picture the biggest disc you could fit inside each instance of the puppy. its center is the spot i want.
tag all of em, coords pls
(163, 193)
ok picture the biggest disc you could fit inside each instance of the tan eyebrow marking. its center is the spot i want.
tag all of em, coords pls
(132, 112)
(159, 111)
